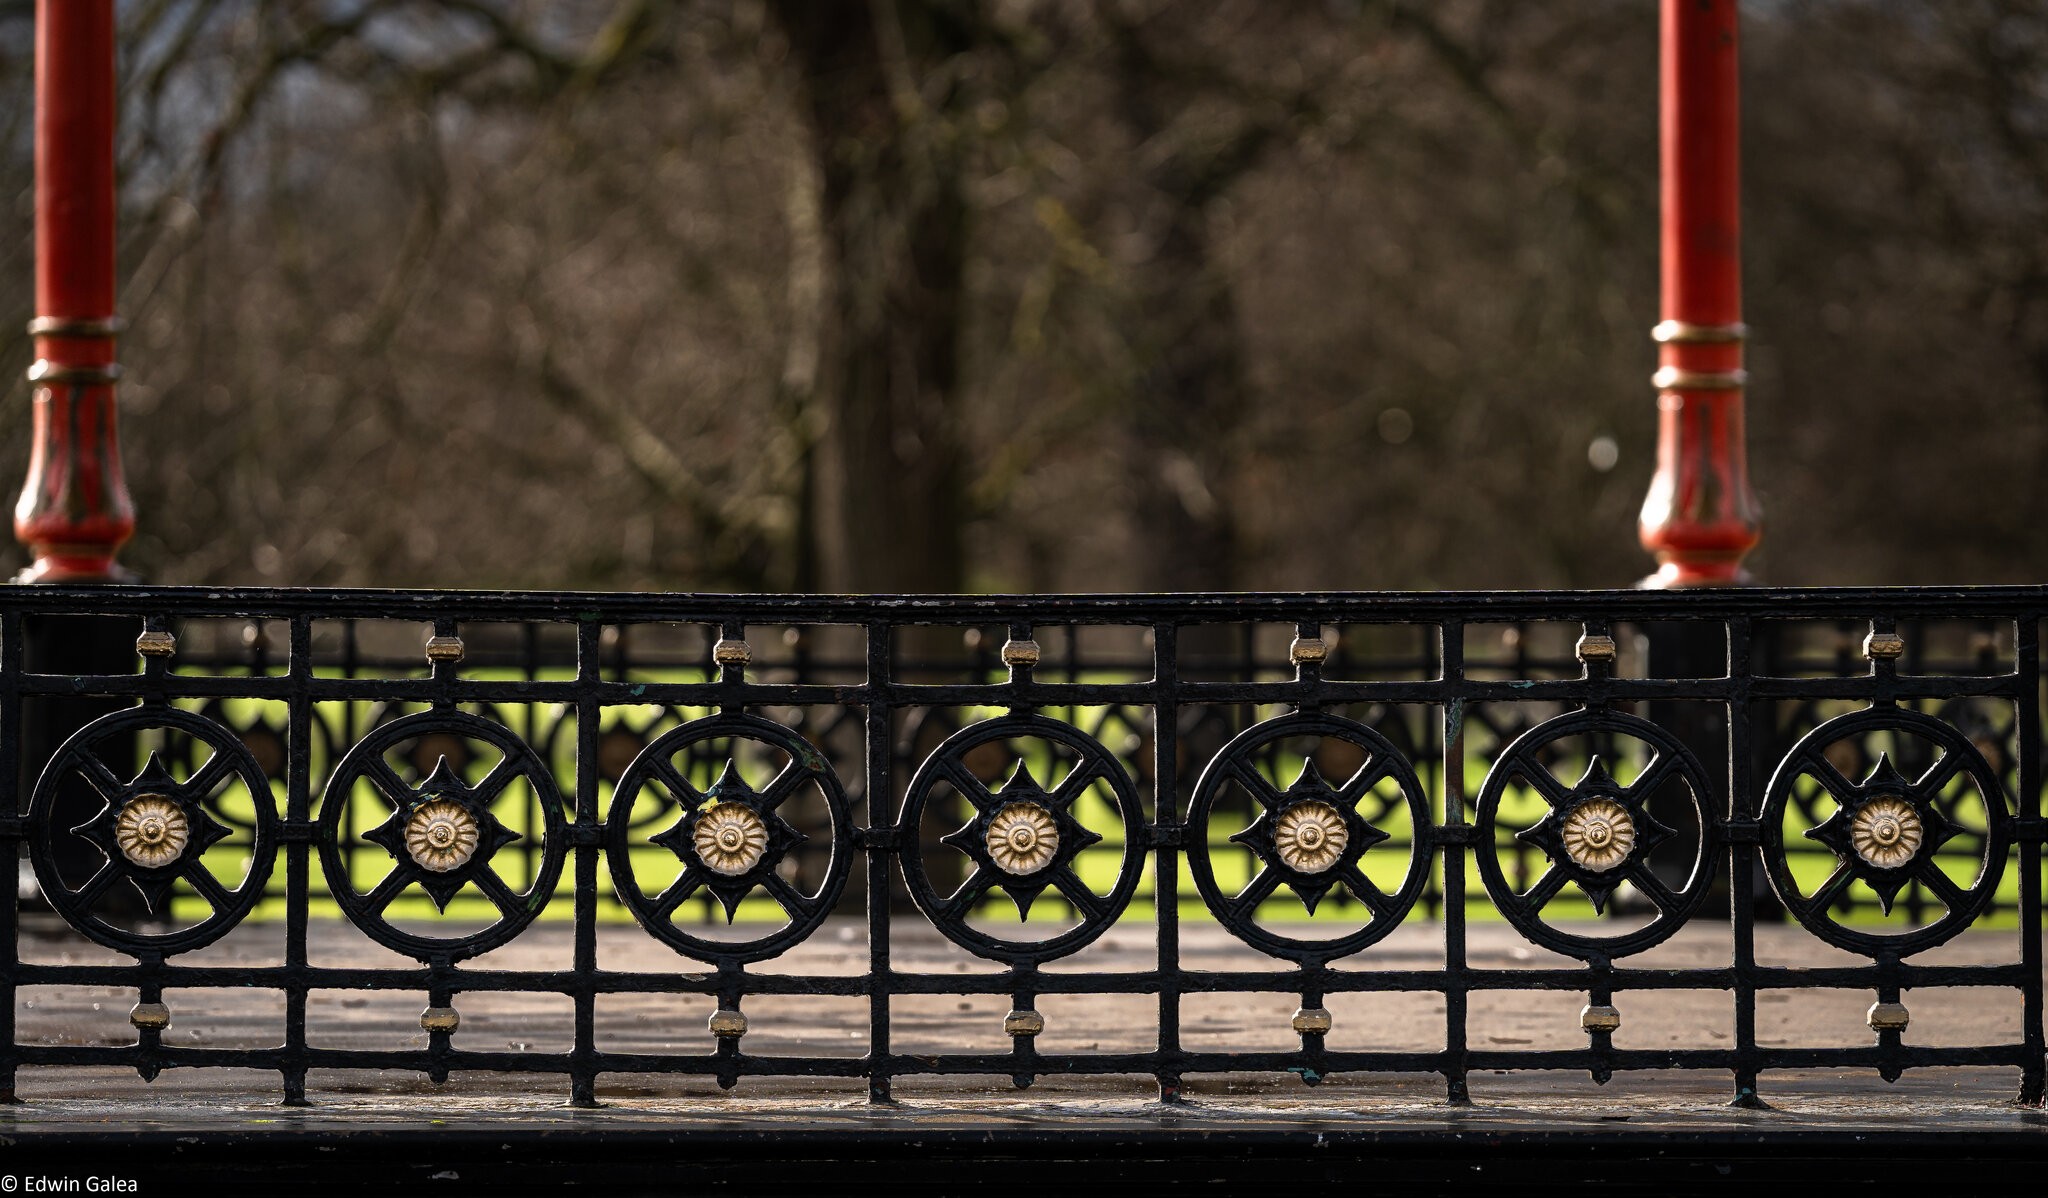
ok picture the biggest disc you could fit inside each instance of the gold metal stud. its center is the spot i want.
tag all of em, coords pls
(156, 643)
(440, 1019)
(443, 650)
(1601, 1018)
(1312, 1021)
(730, 839)
(441, 835)
(150, 1016)
(732, 652)
(1310, 837)
(1023, 1023)
(1598, 835)
(1022, 839)
(1596, 648)
(152, 831)
(1308, 650)
(1886, 832)
(1884, 646)
(1020, 655)
(727, 1025)
(1888, 1017)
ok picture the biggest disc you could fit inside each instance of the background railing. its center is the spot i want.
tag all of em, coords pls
(682, 652)
(1307, 773)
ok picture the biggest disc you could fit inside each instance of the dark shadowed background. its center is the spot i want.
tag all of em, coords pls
(1039, 294)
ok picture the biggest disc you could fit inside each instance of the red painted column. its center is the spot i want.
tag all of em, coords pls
(1700, 517)
(74, 512)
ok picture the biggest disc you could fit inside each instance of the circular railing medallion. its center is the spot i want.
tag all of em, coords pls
(729, 837)
(1888, 830)
(1308, 835)
(155, 829)
(442, 834)
(1596, 833)
(1021, 836)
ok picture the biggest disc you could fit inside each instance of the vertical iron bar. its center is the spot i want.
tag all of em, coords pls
(351, 665)
(1169, 832)
(1742, 806)
(530, 847)
(15, 807)
(2027, 663)
(1455, 978)
(298, 814)
(883, 829)
(1430, 745)
(583, 1069)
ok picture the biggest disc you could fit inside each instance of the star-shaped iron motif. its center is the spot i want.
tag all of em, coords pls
(1071, 836)
(1883, 782)
(1310, 787)
(1597, 785)
(203, 831)
(680, 837)
(444, 784)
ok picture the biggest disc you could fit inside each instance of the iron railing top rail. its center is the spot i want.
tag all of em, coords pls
(1918, 602)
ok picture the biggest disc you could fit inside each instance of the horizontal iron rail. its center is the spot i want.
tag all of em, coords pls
(1333, 607)
(1193, 981)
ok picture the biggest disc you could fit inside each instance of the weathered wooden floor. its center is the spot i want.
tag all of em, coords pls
(838, 1026)
(66, 1110)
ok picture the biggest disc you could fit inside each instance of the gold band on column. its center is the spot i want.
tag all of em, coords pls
(1678, 332)
(50, 373)
(77, 327)
(1672, 378)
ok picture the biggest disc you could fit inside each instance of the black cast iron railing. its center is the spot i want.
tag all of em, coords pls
(1309, 772)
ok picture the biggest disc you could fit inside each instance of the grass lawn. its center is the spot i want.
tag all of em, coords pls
(1386, 865)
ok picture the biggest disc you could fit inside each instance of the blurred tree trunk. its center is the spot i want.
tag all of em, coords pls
(890, 482)
(1190, 391)
(1188, 402)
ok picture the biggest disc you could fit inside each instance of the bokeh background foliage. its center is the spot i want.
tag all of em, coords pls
(1039, 294)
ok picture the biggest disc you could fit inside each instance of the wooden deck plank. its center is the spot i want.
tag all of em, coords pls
(68, 1101)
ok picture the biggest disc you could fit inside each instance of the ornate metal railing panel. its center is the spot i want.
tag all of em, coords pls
(1598, 770)
(1514, 650)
